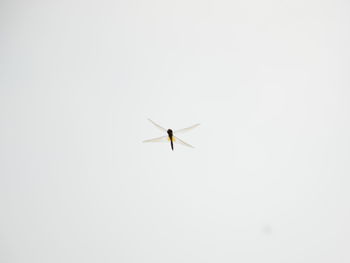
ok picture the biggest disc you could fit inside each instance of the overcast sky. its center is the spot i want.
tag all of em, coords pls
(269, 177)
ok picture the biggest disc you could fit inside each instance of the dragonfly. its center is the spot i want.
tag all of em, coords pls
(170, 137)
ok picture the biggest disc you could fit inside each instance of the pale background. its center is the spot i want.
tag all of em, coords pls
(269, 178)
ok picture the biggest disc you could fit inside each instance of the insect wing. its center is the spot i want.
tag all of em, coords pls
(186, 129)
(157, 125)
(177, 140)
(158, 139)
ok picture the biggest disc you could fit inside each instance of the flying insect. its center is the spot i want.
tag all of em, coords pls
(170, 137)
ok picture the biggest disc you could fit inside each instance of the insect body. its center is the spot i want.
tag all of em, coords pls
(171, 138)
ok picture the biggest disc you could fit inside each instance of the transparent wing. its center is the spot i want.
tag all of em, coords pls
(177, 140)
(158, 139)
(186, 129)
(157, 125)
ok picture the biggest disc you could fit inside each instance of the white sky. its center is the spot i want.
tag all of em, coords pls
(268, 180)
